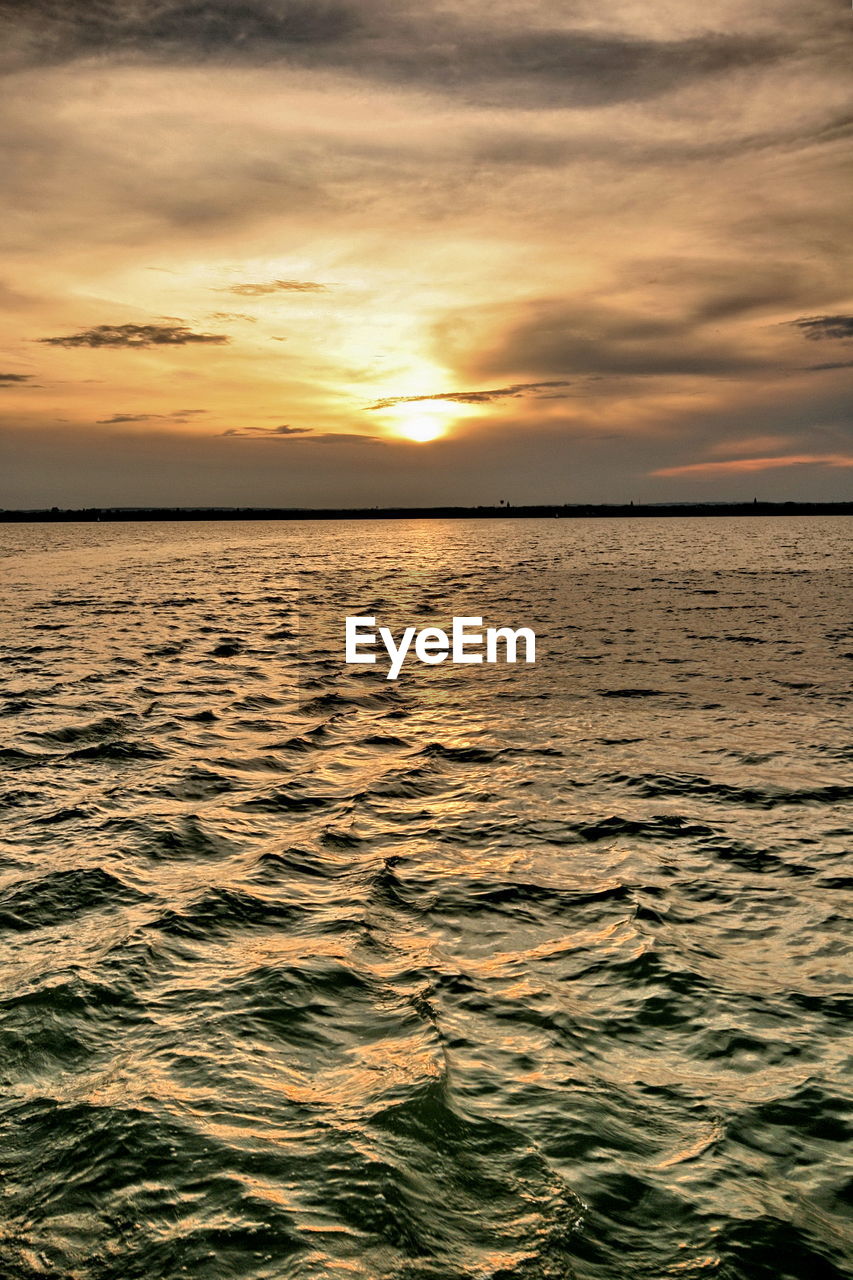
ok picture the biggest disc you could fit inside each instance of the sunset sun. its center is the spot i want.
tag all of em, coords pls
(421, 428)
(423, 420)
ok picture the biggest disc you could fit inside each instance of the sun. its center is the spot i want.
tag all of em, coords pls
(423, 421)
(421, 428)
(417, 416)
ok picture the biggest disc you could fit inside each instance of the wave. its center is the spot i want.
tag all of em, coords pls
(767, 797)
(60, 895)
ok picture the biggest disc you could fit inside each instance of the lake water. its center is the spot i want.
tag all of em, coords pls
(505, 973)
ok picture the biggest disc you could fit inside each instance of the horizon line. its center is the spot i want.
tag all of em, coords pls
(501, 510)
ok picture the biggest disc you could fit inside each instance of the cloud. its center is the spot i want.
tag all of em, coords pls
(584, 337)
(735, 465)
(56, 31)
(345, 437)
(752, 446)
(468, 53)
(233, 315)
(507, 146)
(180, 415)
(136, 335)
(127, 417)
(286, 432)
(14, 379)
(474, 397)
(818, 327)
(576, 67)
(261, 290)
(268, 432)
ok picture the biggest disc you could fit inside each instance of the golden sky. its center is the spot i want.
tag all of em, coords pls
(368, 252)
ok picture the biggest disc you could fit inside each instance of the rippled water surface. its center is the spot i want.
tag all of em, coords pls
(485, 973)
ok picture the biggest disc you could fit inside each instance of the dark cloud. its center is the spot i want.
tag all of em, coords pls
(582, 68)
(180, 415)
(394, 42)
(226, 27)
(345, 437)
(268, 432)
(258, 29)
(118, 418)
(585, 339)
(477, 397)
(833, 364)
(275, 286)
(817, 327)
(286, 432)
(136, 335)
(14, 379)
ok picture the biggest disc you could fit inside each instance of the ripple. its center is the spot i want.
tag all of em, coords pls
(55, 897)
(523, 977)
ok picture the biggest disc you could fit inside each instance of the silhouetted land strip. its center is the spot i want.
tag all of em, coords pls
(569, 511)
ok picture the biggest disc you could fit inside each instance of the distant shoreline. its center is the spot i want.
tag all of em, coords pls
(572, 511)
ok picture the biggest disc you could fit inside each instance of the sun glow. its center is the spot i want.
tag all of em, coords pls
(421, 428)
(423, 421)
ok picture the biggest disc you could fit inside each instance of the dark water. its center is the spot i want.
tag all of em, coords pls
(485, 974)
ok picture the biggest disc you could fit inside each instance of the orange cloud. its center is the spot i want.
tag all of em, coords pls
(762, 445)
(736, 465)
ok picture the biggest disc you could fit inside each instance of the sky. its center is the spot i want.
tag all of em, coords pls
(377, 252)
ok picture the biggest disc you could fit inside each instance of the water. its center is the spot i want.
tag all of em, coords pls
(482, 974)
